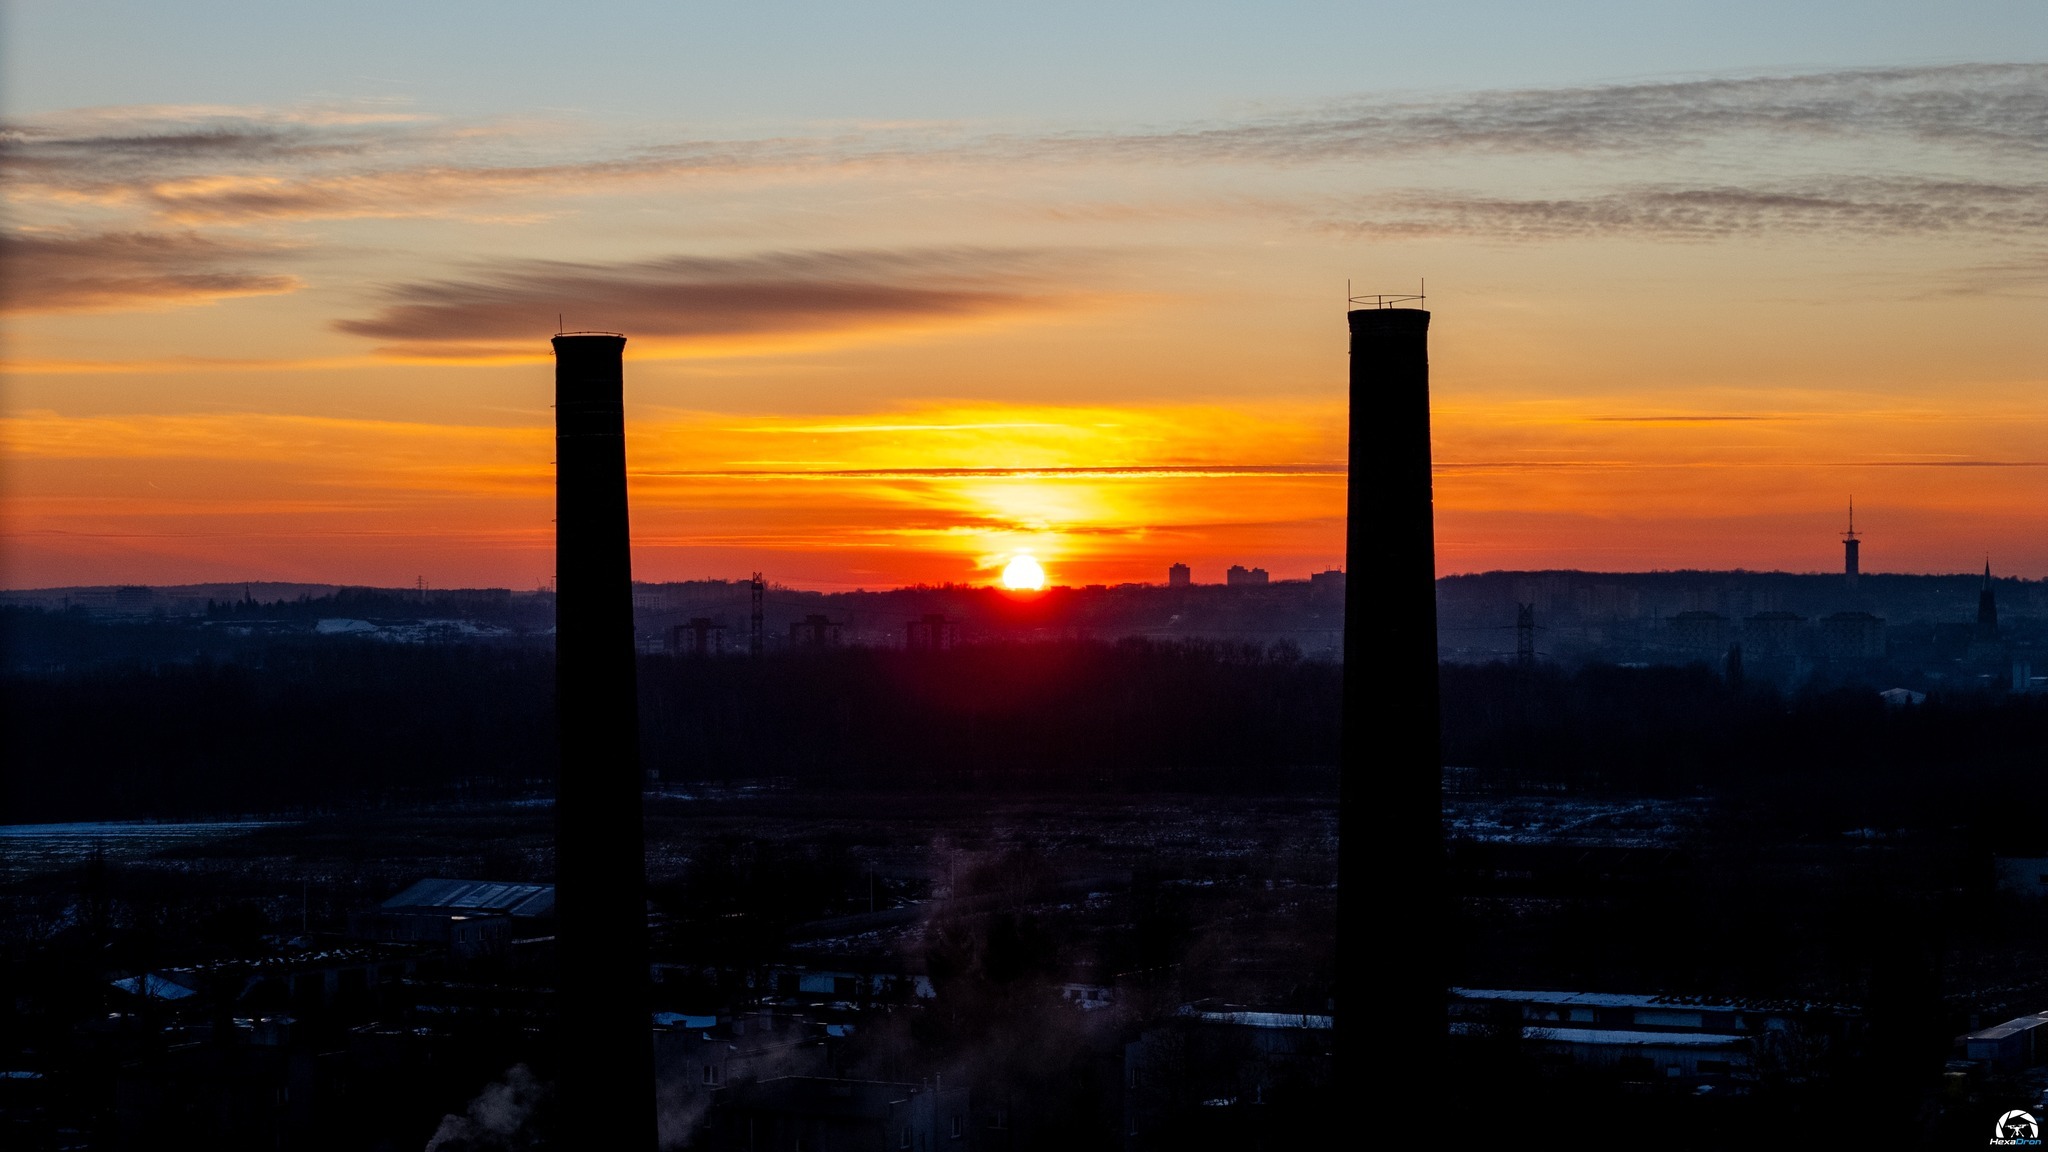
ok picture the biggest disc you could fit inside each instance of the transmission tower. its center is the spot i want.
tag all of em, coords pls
(754, 621)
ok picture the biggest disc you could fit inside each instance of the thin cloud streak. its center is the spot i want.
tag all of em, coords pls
(2000, 109)
(1446, 466)
(225, 166)
(1844, 205)
(2020, 274)
(1689, 419)
(1167, 471)
(205, 166)
(185, 365)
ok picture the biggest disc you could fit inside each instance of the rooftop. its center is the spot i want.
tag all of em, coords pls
(2011, 1027)
(475, 896)
(155, 987)
(1620, 1037)
(1260, 1019)
(1627, 1000)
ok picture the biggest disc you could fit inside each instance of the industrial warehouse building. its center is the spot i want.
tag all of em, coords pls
(469, 917)
(2021, 1042)
(1674, 1037)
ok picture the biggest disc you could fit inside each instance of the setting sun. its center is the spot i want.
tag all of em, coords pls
(1023, 574)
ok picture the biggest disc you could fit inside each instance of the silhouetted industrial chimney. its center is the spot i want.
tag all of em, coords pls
(1390, 807)
(607, 1055)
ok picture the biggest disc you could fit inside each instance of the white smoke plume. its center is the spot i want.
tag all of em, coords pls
(499, 1117)
(678, 1111)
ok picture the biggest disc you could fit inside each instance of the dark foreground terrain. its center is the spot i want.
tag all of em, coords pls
(980, 915)
(1041, 894)
(1088, 888)
(1861, 873)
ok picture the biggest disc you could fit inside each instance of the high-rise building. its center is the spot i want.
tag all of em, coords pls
(933, 633)
(1179, 576)
(814, 631)
(1852, 636)
(1773, 635)
(1240, 576)
(1700, 634)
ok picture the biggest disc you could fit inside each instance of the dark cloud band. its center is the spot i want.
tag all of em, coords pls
(122, 271)
(683, 296)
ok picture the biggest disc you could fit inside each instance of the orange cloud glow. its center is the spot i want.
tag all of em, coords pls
(1743, 479)
(1678, 324)
(916, 496)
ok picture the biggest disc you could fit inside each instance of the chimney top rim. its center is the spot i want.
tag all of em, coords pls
(1385, 300)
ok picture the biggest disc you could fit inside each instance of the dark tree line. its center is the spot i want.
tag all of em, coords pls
(1134, 713)
(300, 726)
(321, 723)
(333, 722)
(492, 606)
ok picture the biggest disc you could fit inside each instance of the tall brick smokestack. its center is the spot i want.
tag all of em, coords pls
(607, 1057)
(1389, 817)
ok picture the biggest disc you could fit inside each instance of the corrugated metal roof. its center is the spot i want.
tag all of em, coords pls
(1625, 1000)
(475, 896)
(154, 986)
(2011, 1027)
(1260, 1019)
(1619, 1037)
(1628, 1038)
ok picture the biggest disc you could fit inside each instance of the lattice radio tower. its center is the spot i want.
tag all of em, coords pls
(754, 631)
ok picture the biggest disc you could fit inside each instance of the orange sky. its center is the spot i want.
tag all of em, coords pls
(1677, 324)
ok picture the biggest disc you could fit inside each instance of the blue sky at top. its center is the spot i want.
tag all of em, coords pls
(754, 63)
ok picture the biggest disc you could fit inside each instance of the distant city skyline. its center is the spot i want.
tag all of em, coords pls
(1227, 570)
(912, 291)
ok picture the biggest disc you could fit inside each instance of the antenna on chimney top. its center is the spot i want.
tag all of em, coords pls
(1417, 299)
